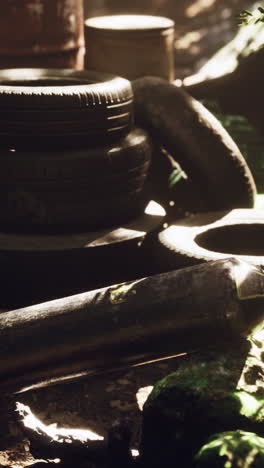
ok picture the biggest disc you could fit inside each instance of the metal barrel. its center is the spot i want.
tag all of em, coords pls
(130, 45)
(42, 33)
(129, 324)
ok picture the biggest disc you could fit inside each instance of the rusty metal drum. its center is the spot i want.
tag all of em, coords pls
(42, 33)
(130, 45)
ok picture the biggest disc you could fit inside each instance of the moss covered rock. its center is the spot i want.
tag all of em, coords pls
(206, 395)
(232, 450)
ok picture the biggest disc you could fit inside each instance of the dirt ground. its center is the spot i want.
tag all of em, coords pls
(94, 403)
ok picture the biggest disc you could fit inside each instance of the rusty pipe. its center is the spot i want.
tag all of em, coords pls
(129, 324)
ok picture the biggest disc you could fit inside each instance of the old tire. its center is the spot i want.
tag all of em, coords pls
(73, 190)
(62, 108)
(210, 236)
(197, 141)
(169, 185)
(37, 268)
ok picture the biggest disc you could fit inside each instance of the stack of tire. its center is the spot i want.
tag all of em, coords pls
(71, 162)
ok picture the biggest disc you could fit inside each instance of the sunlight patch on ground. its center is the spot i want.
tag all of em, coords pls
(155, 209)
(189, 39)
(142, 395)
(52, 430)
(259, 202)
(225, 61)
(135, 453)
(199, 7)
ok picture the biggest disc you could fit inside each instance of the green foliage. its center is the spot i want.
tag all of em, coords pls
(247, 17)
(176, 175)
(234, 449)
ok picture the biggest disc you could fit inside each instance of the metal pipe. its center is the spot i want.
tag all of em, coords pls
(129, 324)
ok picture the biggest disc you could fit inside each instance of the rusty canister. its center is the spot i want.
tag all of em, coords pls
(130, 45)
(42, 33)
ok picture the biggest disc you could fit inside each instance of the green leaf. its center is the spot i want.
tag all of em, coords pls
(246, 13)
(175, 176)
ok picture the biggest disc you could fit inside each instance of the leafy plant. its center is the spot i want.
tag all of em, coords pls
(247, 17)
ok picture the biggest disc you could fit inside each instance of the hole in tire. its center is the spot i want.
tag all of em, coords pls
(44, 82)
(236, 239)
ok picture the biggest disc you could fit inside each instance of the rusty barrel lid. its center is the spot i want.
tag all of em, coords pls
(119, 25)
